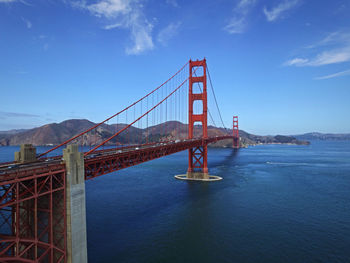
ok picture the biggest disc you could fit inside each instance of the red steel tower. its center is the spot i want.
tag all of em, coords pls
(197, 163)
(235, 132)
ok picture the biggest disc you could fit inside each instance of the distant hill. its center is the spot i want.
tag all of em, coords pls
(14, 131)
(324, 136)
(56, 133)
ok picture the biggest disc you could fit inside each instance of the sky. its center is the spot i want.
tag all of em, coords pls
(282, 66)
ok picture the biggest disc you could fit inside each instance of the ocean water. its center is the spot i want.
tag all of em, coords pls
(276, 203)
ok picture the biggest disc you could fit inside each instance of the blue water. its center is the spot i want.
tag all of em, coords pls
(276, 203)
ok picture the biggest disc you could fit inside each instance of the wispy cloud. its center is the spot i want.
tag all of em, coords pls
(172, 2)
(277, 11)
(324, 58)
(333, 39)
(112, 26)
(335, 75)
(109, 8)
(27, 22)
(296, 62)
(5, 114)
(13, 1)
(21, 72)
(333, 49)
(127, 14)
(7, 1)
(236, 25)
(238, 22)
(168, 32)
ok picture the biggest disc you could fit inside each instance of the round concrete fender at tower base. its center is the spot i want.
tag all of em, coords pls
(211, 178)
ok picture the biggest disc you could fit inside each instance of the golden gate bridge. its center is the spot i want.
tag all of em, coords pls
(42, 197)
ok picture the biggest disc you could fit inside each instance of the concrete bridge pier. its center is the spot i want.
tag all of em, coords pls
(75, 205)
(27, 153)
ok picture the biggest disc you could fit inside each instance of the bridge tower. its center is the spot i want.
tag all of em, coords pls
(235, 132)
(197, 157)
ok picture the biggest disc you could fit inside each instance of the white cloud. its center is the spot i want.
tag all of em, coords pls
(172, 2)
(296, 62)
(331, 57)
(236, 25)
(5, 114)
(110, 8)
(112, 26)
(168, 32)
(13, 1)
(324, 58)
(27, 22)
(335, 75)
(127, 14)
(335, 48)
(238, 22)
(334, 38)
(140, 34)
(277, 11)
(244, 5)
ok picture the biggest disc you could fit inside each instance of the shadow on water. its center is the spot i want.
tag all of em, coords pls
(233, 154)
(225, 165)
(227, 160)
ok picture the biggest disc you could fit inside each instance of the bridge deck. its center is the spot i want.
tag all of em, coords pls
(103, 161)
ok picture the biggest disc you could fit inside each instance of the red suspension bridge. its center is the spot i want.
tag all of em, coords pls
(42, 197)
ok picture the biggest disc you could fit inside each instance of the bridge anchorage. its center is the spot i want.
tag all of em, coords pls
(42, 199)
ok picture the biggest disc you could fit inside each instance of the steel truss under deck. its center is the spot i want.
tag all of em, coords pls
(33, 215)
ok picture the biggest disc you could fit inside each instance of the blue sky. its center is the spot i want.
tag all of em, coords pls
(283, 66)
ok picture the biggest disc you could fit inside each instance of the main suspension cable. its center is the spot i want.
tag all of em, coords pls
(146, 113)
(216, 102)
(111, 117)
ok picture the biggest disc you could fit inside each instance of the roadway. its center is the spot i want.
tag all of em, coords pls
(126, 156)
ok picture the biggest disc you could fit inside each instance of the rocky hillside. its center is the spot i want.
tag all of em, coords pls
(55, 133)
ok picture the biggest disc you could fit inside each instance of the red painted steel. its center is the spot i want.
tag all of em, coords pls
(197, 156)
(33, 209)
(235, 132)
(109, 161)
(33, 195)
(33, 205)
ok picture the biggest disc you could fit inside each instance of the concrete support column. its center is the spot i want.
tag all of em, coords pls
(197, 175)
(75, 205)
(27, 153)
